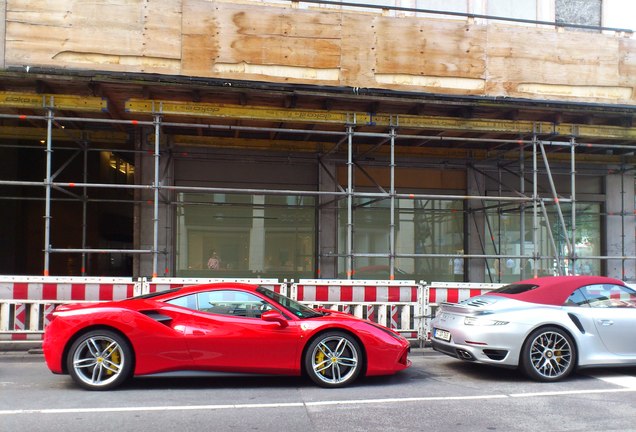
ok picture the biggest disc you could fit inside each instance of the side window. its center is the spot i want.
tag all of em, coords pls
(608, 295)
(577, 299)
(189, 301)
(234, 303)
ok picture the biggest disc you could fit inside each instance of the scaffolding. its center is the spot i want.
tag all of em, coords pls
(532, 147)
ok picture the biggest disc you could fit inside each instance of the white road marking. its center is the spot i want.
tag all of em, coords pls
(626, 381)
(301, 404)
(572, 392)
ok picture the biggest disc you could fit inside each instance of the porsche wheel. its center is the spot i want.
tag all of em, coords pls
(100, 360)
(333, 360)
(548, 355)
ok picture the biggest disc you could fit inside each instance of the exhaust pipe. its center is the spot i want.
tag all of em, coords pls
(464, 355)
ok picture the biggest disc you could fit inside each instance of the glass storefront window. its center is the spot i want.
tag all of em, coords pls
(232, 235)
(421, 227)
(504, 238)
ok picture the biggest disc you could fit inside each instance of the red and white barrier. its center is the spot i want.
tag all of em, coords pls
(67, 288)
(24, 320)
(451, 292)
(454, 292)
(395, 304)
(26, 303)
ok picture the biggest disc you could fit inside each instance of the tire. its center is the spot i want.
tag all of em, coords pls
(548, 355)
(333, 360)
(100, 360)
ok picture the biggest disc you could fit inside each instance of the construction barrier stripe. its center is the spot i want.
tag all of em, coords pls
(394, 317)
(356, 294)
(19, 320)
(453, 295)
(66, 291)
(48, 313)
(20, 337)
(27, 304)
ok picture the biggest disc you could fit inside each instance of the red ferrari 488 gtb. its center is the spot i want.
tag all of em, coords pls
(225, 327)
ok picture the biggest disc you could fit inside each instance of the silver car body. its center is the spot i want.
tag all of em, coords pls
(493, 329)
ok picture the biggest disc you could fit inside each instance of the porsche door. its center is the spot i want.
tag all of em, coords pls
(613, 310)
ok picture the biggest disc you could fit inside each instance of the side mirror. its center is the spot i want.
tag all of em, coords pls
(274, 316)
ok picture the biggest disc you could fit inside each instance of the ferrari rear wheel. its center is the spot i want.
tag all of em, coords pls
(333, 359)
(548, 354)
(100, 360)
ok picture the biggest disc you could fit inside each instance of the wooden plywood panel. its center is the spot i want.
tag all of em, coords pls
(429, 47)
(525, 62)
(126, 35)
(627, 63)
(358, 59)
(3, 34)
(279, 43)
(255, 41)
(278, 37)
(200, 37)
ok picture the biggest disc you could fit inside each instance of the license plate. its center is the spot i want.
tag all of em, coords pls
(442, 334)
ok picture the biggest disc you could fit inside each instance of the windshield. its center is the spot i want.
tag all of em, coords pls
(515, 288)
(294, 307)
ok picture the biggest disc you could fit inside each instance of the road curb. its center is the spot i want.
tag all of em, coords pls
(25, 355)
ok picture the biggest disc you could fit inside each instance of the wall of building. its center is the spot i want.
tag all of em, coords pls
(277, 43)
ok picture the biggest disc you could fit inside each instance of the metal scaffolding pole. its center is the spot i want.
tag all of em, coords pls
(84, 208)
(156, 186)
(392, 217)
(47, 181)
(573, 255)
(535, 202)
(557, 203)
(557, 254)
(522, 212)
(349, 259)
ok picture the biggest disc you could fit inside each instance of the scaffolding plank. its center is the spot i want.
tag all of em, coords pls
(55, 101)
(210, 110)
(234, 111)
(66, 135)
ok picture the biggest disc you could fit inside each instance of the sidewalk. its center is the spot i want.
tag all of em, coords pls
(30, 355)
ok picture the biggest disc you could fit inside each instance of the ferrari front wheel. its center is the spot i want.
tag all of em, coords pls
(548, 354)
(100, 360)
(333, 359)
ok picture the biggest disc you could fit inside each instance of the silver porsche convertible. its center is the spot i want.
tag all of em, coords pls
(547, 326)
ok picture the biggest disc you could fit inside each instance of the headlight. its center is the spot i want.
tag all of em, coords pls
(474, 321)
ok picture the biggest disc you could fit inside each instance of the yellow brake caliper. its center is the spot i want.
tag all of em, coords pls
(115, 358)
(320, 357)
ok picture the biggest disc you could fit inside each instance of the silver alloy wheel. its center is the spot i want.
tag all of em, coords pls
(98, 361)
(550, 354)
(334, 360)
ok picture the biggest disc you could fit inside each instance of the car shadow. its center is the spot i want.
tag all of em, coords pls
(221, 381)
(485, 372)
(195, 380)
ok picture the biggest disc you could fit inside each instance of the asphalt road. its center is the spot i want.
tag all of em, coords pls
(437, 393)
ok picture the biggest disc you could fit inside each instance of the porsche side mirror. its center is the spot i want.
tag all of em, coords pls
(274, 316)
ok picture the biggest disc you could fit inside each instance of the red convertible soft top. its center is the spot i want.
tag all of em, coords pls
(555, 290)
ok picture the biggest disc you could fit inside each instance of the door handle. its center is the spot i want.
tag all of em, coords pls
(606, 322)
